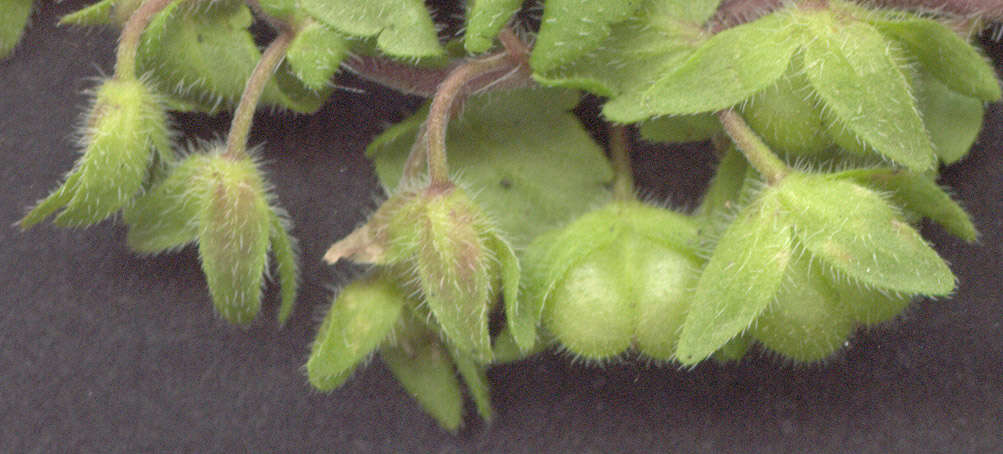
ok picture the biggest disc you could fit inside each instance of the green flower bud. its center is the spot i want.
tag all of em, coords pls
(457, 257)
(616, 277)
(234, 224)
(124, 129)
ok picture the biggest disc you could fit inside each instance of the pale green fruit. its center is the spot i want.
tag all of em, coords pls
(805, 322)
(616, 277)
(870, 306)
(788, 118)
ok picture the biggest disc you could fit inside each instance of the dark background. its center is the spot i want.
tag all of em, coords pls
(102, 350)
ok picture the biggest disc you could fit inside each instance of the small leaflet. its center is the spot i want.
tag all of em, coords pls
(284, 250)
(166, 216)
(315, 54)
(402, 28)
(571, 28)
(357, 323)
(725, 70)
(485, 18)
(856, 73)
(945, 56)
(428, 375)
(856, 232)
(12, 23)
(740, 280)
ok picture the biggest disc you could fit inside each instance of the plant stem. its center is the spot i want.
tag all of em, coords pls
(240, 127)
(619, 154)
(128, 41)
(450, 91)
(756, 152)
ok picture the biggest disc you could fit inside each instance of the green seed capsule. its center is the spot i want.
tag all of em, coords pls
(787, 117)
(806, 321)
(870, 306)
(615, 278)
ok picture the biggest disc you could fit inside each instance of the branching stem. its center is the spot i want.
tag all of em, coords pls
(128, 41)
(240, 127)
(755, 150)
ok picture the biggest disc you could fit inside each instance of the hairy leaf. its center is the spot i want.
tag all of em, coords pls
(854, 230)
(638, 51)
(485, 18)
(315, 54)
(945, 56)
(357, 323)
(952, 119)
(283, 247)
(571, 28)
(853, 68)
(681, 128)
(741, 279)
(725, 70)
(100, 13)
(917, 193)
(166, 216)
(475, 376)
(402, 28)
(203, 57)
(12, 23)
(430, 378)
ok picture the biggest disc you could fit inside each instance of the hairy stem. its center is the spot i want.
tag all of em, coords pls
(240, 127)
(619, 154)
(128, 41)
(756, 152)
(453, 89)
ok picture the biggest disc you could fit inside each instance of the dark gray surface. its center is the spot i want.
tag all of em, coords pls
(104, 351)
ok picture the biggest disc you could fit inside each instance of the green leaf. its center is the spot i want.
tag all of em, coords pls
(854, 230)
(430, 378)
(166, 216)
(529, 158)
(637, 52)
(234, 226)
(204, 56)
(315, 54)
(402, 28)
(855, 71)
(485, 18)
(741, 279)
(571, 28)
(725, 70)
(522, 316)
(359, 320)
(681, 128)
(917, 193)
(284, 250)
(476, 378)
(12, 23)
(944, 55)
(100, 13)
(952, 119)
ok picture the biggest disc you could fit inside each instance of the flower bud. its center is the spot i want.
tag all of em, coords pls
(454, 252)
(614, 278)
(788, 117)
(124, 128)
(234, 227)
